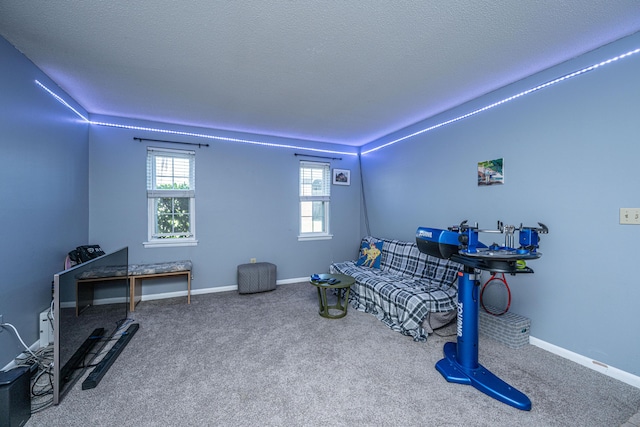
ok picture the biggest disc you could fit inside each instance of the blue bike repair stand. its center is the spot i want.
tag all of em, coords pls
(460, 363)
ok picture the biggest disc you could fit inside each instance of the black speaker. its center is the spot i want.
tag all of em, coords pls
(15, 397)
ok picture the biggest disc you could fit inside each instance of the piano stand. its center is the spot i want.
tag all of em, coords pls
(460, 364)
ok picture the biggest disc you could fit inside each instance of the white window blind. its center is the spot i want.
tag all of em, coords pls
(315, 180)
(170, 173)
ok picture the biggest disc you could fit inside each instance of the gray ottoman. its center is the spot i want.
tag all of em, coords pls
(256, 277)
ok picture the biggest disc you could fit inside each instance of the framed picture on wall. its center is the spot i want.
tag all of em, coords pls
(341, 177)
(491, 172)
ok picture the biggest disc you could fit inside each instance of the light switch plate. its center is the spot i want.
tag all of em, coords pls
(629, 215)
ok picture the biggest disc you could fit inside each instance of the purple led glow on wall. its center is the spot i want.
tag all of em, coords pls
(503, 101)
(191, 134)
(412, 135)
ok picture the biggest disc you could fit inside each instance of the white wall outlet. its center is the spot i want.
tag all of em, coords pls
(46, 329)
(629, 215)
(253, 260)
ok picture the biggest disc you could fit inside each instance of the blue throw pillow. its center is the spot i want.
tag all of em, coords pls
(370, 254)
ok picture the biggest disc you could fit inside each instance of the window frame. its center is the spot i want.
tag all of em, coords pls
(325, 197)
(153, 194)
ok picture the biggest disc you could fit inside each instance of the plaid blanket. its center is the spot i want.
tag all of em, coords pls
(408, 285)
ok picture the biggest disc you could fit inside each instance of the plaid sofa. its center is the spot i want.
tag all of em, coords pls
(408, 286)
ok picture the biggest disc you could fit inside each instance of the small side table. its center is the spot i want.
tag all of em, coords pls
(342, 297)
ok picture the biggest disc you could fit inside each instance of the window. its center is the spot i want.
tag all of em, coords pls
(171, 197)
(315, 192)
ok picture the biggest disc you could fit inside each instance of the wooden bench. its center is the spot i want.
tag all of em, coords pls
(136, 273)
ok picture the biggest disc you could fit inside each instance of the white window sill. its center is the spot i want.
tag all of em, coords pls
(170, 243)
(303, 237)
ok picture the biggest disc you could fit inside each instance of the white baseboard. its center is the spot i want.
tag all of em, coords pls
(203, 291)
(603, 368)
(165, 295)
(176, 294)
(294, 280)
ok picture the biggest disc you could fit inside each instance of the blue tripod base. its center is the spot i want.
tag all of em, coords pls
(480, 378)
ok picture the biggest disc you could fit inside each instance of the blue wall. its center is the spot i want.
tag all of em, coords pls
(571, 156)
(44, 193)
(246, 204)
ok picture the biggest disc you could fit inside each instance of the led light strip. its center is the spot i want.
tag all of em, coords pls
(62, 101)
(511, 98)
(220, 138)
(420, 132)
(191, 134)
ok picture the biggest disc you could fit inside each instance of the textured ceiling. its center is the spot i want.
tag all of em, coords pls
(335, 71)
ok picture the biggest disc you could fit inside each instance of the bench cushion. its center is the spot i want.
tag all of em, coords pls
(136, 270)
(159, 268)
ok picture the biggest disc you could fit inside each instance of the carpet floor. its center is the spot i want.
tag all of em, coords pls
(269, 359)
